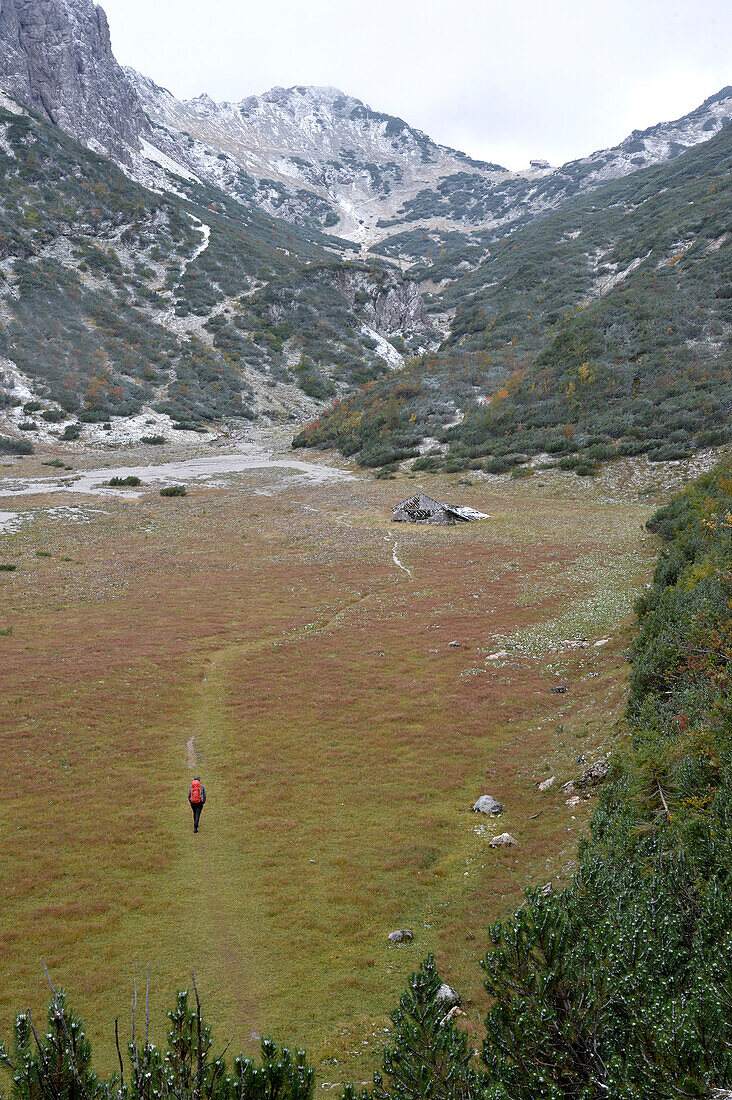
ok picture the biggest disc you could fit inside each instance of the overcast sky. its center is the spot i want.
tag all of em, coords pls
(503, 81)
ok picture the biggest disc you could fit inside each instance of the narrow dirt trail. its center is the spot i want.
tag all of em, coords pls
(208, 854)
(212, 860)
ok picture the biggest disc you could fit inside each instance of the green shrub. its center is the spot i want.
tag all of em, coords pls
(55, 1060)
(174, 491)
(7, 567)
(71, 431)
(427, 462)
(124, 482)
(15, 446)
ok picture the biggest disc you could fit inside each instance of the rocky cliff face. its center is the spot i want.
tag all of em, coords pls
(56, 58)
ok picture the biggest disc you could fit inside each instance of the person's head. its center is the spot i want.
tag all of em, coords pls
(197, 777)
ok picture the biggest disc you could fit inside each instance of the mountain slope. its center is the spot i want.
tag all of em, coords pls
(360, 163)
(115, 301)
(313, 156)
(601, 329)
(213, 293)
(386, 185)
(478, 212)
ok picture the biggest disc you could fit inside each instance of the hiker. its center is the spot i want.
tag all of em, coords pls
(196, 797)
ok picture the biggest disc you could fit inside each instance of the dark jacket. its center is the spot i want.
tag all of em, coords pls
(203, 792)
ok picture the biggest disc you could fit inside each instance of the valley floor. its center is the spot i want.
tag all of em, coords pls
(275, 632)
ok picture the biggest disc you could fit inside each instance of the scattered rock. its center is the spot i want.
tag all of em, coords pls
(452, 1014)
(560, 690)
(602, 641)
(581, 759)
(548, 783)
(505, 840)
(487, 804)
(454, 645)
(568, 788)
(594, 774)
(498, 656)
(546, 889)
(447, 996)
(402, 935)
(573, 801)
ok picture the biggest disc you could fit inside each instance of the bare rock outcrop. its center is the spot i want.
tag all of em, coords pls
(56, 58)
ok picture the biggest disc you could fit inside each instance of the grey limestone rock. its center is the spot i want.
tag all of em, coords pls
(401, 935)
(487, 804)
(56, 58)
(447, 996)
(594, 774)
(504, 840)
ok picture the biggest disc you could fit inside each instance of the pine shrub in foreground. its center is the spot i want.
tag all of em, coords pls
(15, 446)
(55, 1064)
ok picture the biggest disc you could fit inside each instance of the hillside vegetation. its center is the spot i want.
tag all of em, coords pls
(114, 298)
(602, 329)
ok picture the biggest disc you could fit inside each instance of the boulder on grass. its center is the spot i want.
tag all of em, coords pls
(487, 804)
(505, 840)
(594, 774)
(401, 935)
(447, 996)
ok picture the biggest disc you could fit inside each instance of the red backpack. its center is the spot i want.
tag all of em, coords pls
(196, 794)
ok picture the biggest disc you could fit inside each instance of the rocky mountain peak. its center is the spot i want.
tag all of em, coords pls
(56, 58)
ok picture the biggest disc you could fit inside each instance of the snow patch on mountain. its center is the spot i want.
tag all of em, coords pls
(150, 152)
(383, 348)
(605, 283)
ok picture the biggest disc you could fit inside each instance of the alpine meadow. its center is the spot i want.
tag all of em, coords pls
(365, 577)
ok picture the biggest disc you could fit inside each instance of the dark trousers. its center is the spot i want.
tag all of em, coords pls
(196, 807)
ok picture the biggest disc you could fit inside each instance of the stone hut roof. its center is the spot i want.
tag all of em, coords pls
(424, 509)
